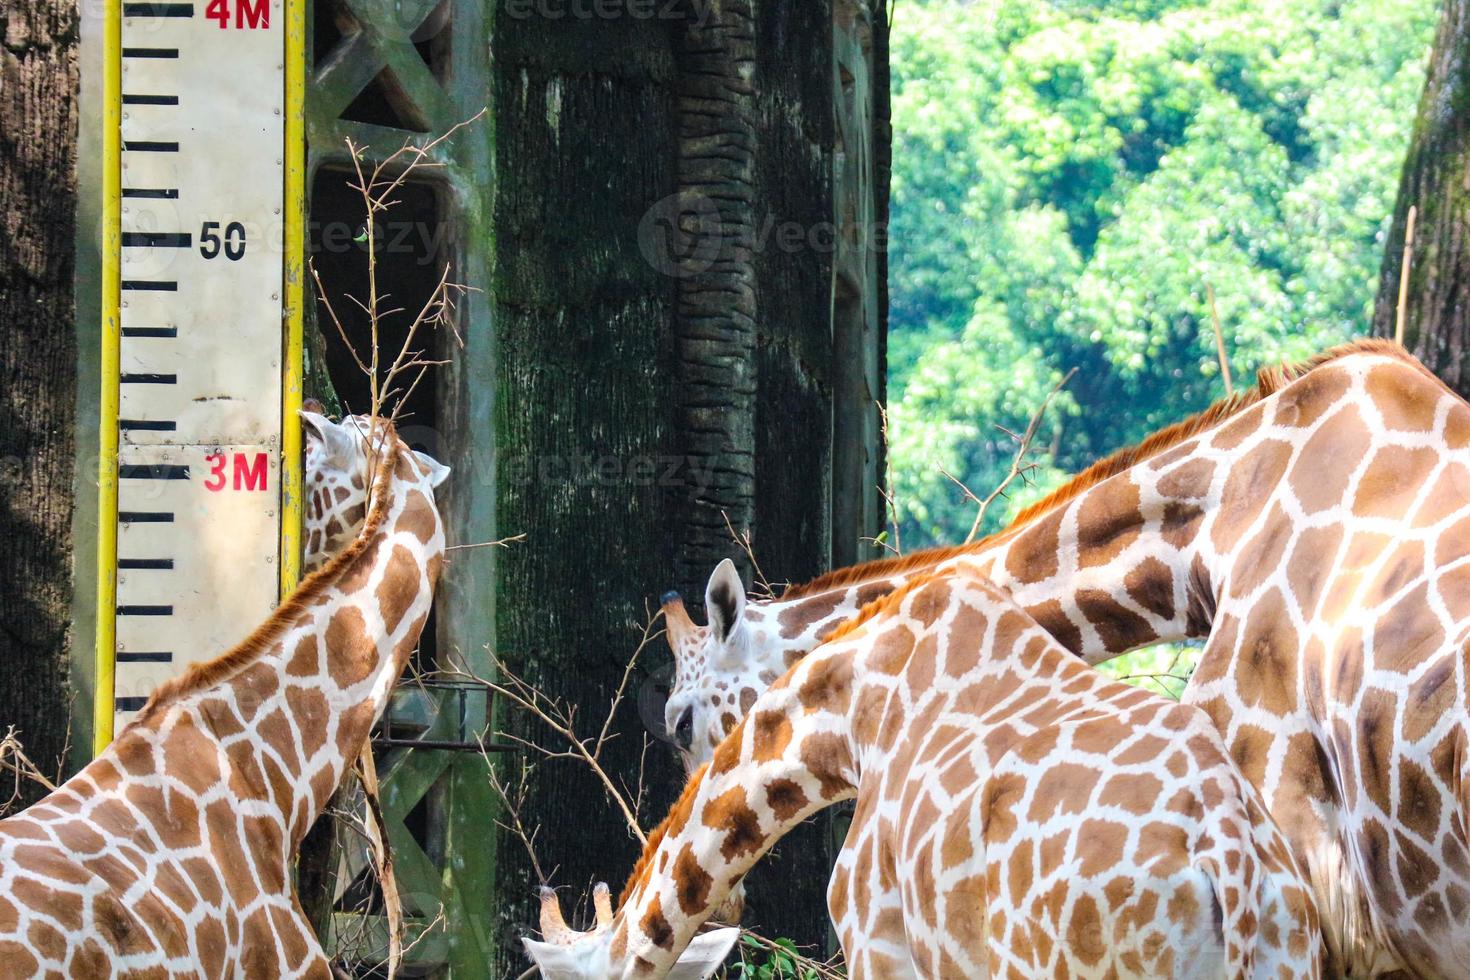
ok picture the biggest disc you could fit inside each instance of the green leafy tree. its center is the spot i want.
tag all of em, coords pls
(1070, 177)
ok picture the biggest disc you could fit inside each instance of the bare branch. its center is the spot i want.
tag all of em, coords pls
(559, 719)
(742, 539)
(1401, 312)
(890, 501)
(649, 635)
(14, 759)
(1220, 341)
(498, 543)
(514, 809)
(1019, 466)
(367, 773)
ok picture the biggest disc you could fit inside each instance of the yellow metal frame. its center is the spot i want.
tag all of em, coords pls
(111, 361)
(294, 293)
(293, 254)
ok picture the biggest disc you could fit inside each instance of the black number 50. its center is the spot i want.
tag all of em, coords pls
(233, 245)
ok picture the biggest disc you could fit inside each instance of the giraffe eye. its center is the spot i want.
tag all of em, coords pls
(684, 729)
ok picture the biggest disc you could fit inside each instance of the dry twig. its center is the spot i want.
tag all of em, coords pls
(13, 758)
(890, 502)
(649, 635)
(1219, 341)
(1020, 468)
(742, 539)
(382, 853)
(1403, 305)
(393, 383)
(498, 543)
(513, 808)
(561, 719)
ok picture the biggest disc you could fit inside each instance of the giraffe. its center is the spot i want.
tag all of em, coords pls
(169, 855)
(1316, 530)
(1018, 814)
(721, 668)
(335, 491)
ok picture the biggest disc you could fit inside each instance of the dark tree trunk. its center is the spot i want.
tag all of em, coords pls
(585, 406)
(38, 140)
(793, 219)
(715, 270)
(664, 295)
(1437, 308)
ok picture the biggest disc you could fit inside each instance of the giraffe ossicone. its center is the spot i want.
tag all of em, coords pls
(1018, 814)
(170, 853)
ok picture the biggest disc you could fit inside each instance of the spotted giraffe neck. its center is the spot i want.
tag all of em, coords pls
(171, 852)
(1144, 553)
(1129, 555)
(1107, 561)
(798, 759)
(282, 717)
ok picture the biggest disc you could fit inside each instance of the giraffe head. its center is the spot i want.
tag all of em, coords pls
(719, 669)
(338, 456)
(565, 954)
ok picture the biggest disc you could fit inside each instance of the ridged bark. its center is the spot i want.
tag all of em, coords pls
(38, 364)
(1437, 308)
(717, 309)
(584, 113)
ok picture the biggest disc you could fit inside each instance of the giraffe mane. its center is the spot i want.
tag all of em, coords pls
(680, 809)
(1269, 380)
(262, 639)
(880, 605)
(878, 568)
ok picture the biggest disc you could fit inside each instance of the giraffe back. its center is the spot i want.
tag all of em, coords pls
(1020, 814)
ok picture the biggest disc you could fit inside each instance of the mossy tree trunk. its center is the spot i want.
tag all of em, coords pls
(38, 141)
(1437, 308)
(664, 236)
(585, 396)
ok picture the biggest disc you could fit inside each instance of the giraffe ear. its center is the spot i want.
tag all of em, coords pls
(336, 441)
(705, 955)
(724, 600)
(438, 472)
(554, 962)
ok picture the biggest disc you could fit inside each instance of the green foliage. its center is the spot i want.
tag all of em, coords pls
(757, 962)
(1163, 668)
(1070, 176)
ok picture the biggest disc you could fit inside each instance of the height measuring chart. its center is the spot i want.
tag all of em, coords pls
(198, 530)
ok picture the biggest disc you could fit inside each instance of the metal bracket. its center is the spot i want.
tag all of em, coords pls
(423, 706)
